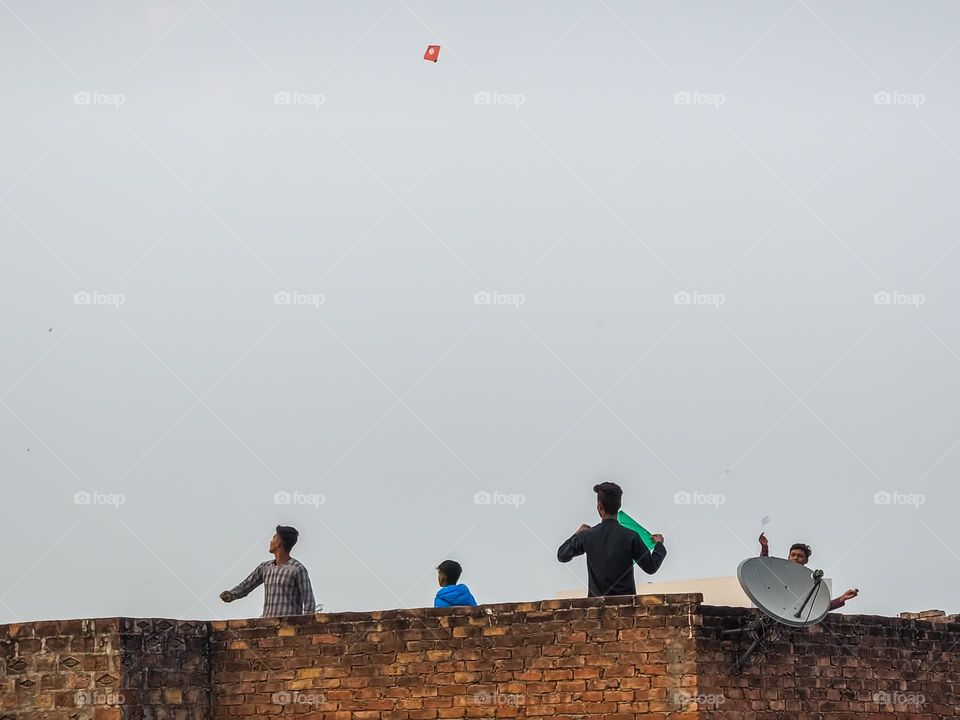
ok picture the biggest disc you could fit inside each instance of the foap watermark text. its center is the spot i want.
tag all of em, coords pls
(895, 297)
(685, 297)
(895, 497)
(515, 100)
(295, 497)
(696, 97)
(895, 97)
(114, 100)
(685, 497)
(484, 497)
(296, 297)
(485, 297)
(95, 497)
(298, 97)
(95, 297)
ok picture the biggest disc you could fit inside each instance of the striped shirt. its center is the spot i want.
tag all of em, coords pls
(286, 588)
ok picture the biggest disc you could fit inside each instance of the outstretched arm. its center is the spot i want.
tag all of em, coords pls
(839, 602)
(253, 580)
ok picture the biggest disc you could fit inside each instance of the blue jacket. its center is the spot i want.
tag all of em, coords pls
(450, 595)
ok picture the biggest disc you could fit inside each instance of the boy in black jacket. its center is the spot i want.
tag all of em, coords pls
(611, 549)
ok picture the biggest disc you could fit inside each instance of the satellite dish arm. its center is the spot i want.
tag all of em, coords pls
(817, 581)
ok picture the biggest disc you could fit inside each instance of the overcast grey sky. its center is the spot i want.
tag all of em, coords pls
(719, 243)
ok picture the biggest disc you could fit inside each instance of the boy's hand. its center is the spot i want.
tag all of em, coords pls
(850, 594)
(226, 596)
(763, 539)
(657, 537)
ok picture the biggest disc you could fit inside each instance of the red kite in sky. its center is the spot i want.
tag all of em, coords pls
(432, 53)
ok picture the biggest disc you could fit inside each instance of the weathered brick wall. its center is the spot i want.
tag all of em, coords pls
(628, 658)
(848, 666)
(60, 670)
(165, 669)
(105, 669)
(624, 658)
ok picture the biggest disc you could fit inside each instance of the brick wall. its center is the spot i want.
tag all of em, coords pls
(105, 669)
(60, 669)
(619, 658)
(848, 666)
(625, 658)
(165, 669)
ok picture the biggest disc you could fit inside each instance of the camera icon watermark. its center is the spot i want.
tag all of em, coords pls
(483, 97)
(695, 497)
(895, 497)
(895, 97)
(685, 297)
(884, 297)
(297, 97)
(95, 297)
(485, 297)
(295, 497)
(85, 97)
(484, 497)
(296, 297)
(696, 97)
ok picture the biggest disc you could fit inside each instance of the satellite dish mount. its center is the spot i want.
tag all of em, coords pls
(787, 595)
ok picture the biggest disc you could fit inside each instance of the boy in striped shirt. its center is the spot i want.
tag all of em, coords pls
(286, 583)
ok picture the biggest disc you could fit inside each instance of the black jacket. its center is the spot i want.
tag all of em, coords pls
(611, 551)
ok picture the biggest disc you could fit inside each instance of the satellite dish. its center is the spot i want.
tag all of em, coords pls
(784, 590)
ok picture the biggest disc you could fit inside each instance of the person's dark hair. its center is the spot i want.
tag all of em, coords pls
(609, 496)
(803, 547)
(451, 571)
(288, 536)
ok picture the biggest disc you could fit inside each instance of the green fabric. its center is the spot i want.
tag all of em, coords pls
(629, 522)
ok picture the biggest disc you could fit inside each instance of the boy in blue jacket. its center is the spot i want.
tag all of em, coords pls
(451, 593)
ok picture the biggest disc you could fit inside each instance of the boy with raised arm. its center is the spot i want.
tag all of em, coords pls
(800, 553)
(611, 549)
